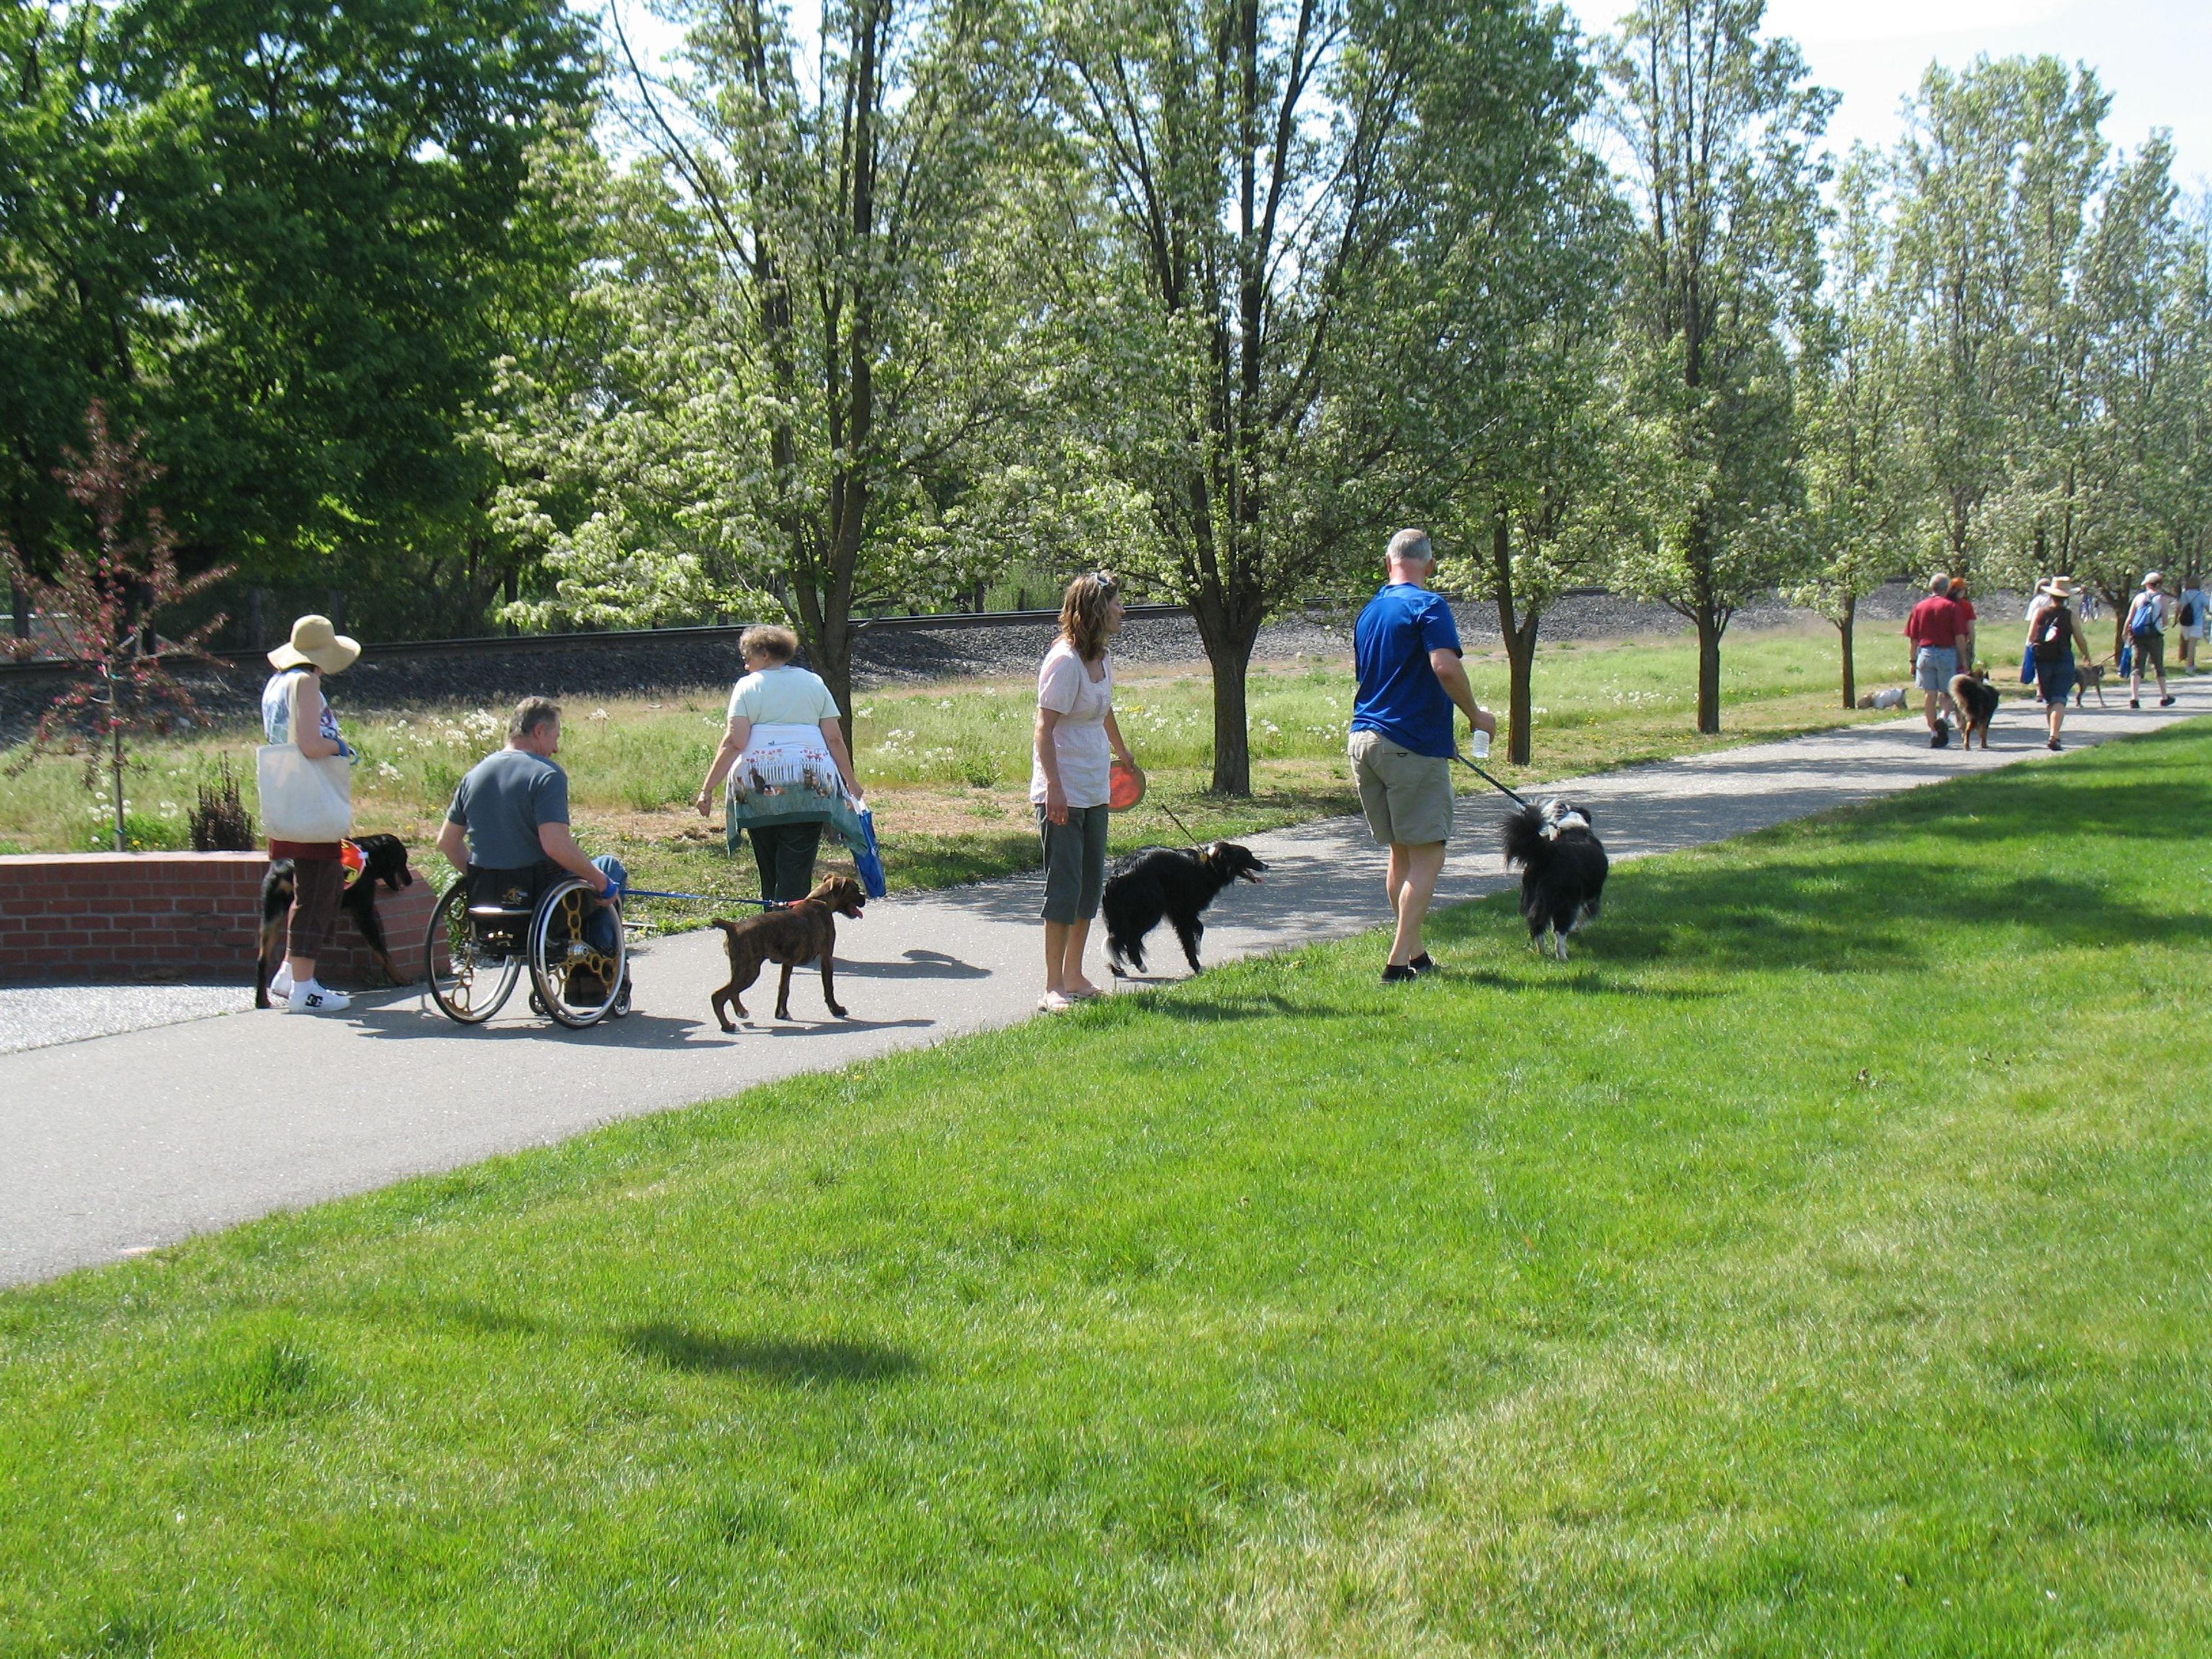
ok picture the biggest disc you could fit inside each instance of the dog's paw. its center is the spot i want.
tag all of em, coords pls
(840, 1012)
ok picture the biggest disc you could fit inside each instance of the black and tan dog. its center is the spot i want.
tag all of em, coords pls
(1978, 702)
(1171, 882)
(383, 859)
(802, 932)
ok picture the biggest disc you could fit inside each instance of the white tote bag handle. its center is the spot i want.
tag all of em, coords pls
(303, 799)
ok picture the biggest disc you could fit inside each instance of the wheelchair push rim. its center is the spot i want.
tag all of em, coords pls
(579, 984)
(466, 980)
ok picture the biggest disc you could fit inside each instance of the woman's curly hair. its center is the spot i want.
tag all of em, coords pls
(1083, 614)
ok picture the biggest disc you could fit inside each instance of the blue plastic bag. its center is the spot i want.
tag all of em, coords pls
(2127, 665)
(867, 861)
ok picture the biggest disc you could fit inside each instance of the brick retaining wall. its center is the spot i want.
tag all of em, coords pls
(173, 915)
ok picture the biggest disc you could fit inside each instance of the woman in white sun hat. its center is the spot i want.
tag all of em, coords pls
(295, 715)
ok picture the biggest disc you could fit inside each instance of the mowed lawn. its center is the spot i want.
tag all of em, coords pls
(1818, 1264)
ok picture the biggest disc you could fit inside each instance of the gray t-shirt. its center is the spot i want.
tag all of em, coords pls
(502, 802)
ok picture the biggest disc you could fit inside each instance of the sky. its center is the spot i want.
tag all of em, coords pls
(2154, 57)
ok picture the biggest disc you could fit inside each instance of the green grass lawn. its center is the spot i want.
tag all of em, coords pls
(947, 767)
(1819, 1264)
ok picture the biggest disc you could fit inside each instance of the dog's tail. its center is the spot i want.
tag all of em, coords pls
(725, 923)
(1523, 834)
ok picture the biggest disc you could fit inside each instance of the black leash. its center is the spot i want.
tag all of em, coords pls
(1486, 778)
(1178, 823)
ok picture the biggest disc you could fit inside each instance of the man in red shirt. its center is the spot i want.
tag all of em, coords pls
(1933, 627)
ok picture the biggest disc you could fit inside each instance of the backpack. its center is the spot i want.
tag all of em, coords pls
(2143, 619)
(2054, 634)
(2188, 618)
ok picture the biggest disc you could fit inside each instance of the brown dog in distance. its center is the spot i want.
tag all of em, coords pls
(1978, 702)
(804, 930)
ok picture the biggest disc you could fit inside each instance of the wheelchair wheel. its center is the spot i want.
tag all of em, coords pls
(579, 983)
(469, 983)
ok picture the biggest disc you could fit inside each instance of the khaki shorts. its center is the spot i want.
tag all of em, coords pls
(1407, 798)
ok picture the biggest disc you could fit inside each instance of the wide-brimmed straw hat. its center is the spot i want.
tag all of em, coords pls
(314, 640)
(2062, 588)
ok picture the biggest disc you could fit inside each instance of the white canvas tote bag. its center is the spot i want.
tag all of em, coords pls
(303, 799)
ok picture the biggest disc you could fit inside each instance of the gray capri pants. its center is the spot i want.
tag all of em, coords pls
(1074, 863)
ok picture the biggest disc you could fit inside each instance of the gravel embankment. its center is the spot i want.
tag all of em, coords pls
(639, 665)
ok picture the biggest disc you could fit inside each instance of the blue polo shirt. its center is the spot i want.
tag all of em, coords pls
(1398, 696)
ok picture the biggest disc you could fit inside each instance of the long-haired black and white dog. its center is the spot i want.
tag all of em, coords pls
(1175, 883)
(1562, 868)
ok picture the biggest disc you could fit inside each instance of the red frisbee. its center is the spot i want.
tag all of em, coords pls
(1125, 787)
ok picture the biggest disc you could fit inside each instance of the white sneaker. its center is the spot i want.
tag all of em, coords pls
(313, 999)
(280, 983)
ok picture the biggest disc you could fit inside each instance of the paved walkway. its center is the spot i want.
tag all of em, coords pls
(130, 1139)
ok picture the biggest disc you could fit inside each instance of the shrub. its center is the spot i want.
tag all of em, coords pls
(219, 823)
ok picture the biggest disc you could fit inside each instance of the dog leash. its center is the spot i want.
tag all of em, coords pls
(697, 898)
(1486, 778)
(1178, 823)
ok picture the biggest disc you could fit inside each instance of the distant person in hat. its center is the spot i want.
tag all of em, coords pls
(2147, 615)
(2053, 631)
(293, 711)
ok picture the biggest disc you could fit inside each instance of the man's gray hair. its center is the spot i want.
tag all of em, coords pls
(1939, 583)
(530, 713)
(1411, 544)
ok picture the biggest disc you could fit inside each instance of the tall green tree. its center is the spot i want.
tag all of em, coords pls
(283, 241)
(2129, 463)
(1864, 493)
(1250, 162)
(1995, 179)
(1716, 123)
(1486, 336)
(814, 315)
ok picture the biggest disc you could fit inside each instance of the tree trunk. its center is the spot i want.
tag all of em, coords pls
(1844, 626)
(1232, 744)
(19, 606)
(115, 761)
(1520, 635)
(1709, 669)
(1521, 656)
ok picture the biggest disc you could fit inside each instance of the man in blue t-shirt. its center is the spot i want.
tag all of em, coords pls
(1406, 649)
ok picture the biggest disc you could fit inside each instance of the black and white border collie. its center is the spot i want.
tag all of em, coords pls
(1562, 868)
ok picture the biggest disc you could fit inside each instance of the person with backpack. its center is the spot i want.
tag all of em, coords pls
(2053, 631)
(2189, 618)
(2147, 619)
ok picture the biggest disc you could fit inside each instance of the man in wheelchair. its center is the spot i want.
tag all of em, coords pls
(507, 833)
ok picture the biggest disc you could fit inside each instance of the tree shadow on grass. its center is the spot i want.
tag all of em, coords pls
(792, 1364)
(1578, 983)
(2123, 808)
(1848, 915)
(1256, 1005)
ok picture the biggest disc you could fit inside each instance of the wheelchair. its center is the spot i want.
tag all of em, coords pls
(484, 934)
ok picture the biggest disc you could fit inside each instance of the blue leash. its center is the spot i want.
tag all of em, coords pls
(1486, 778)
(698, 898)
